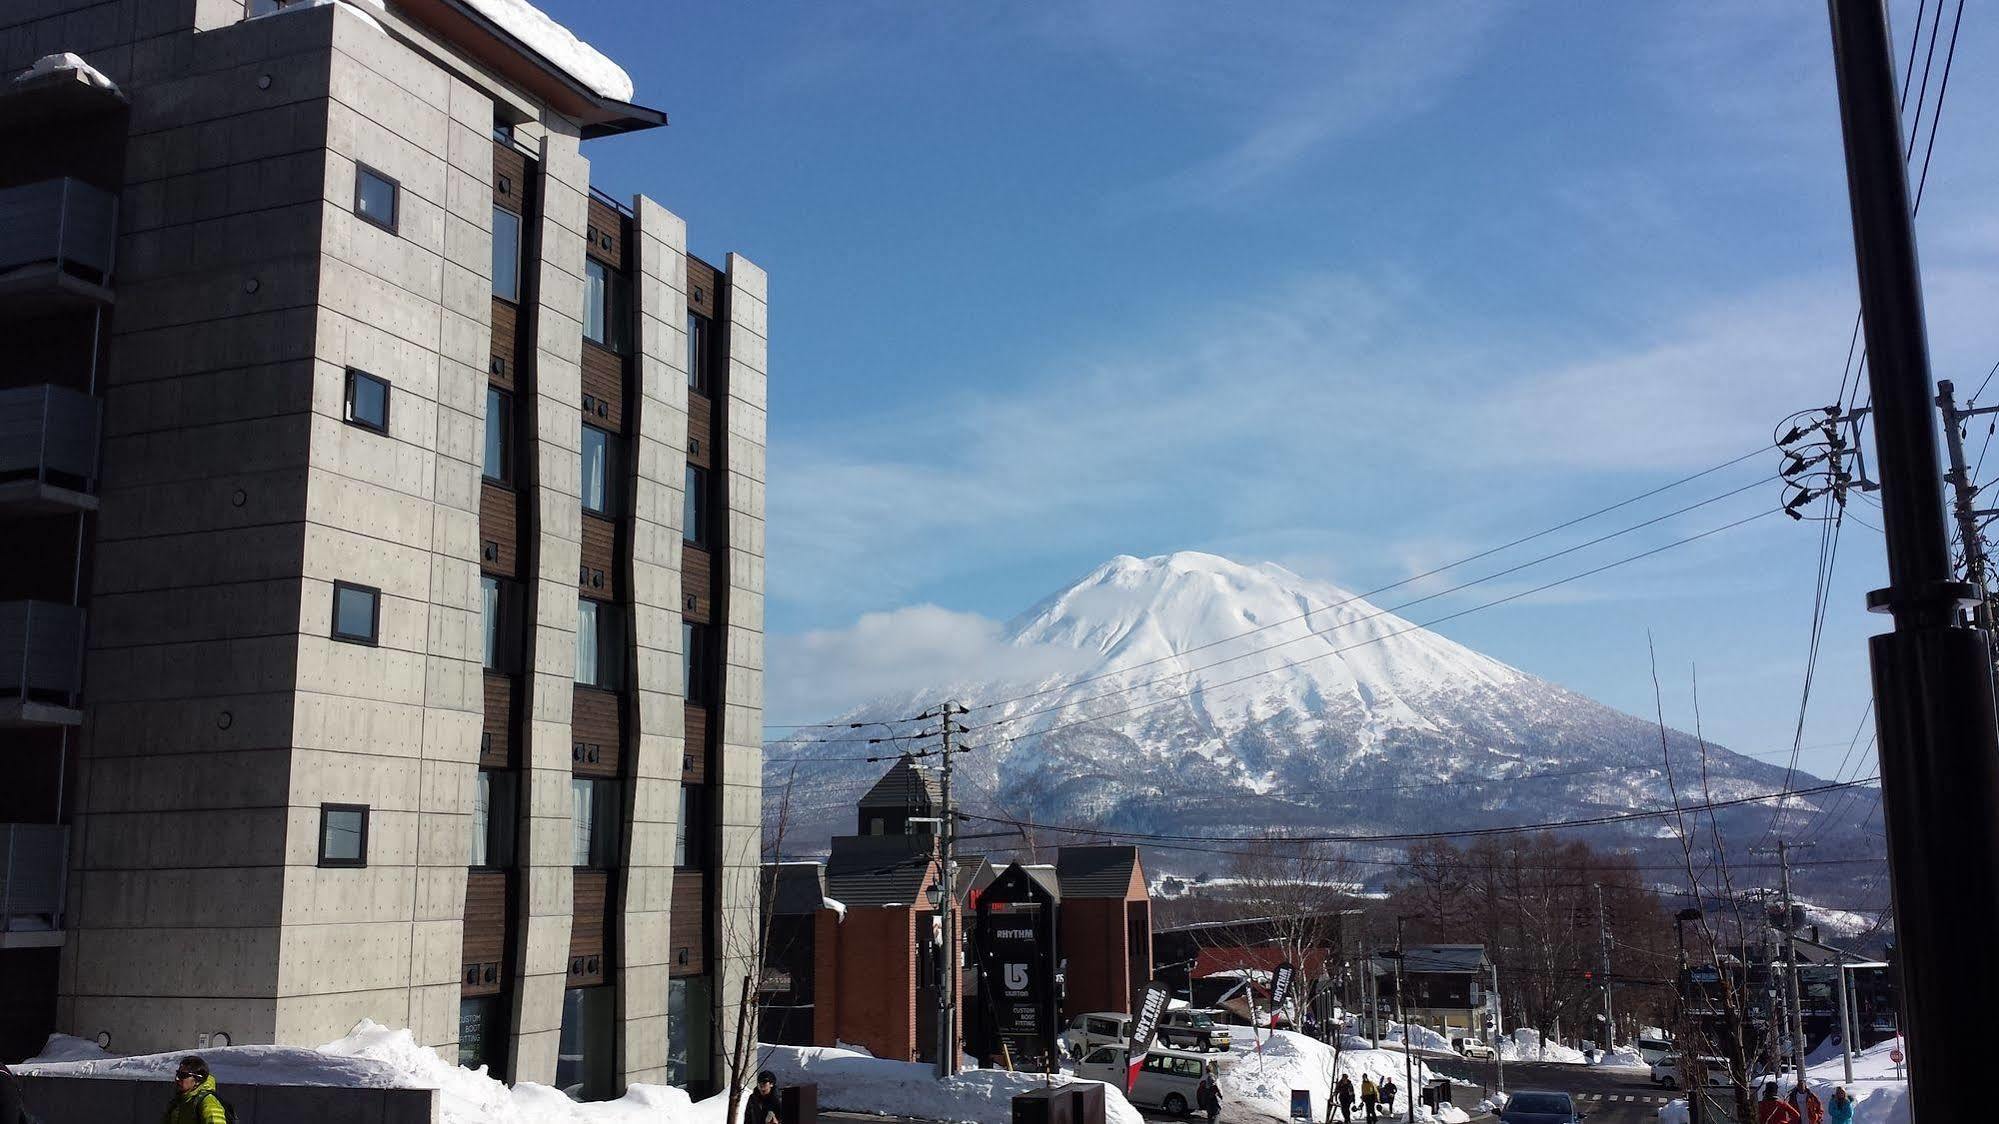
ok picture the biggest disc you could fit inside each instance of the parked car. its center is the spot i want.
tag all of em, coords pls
(1472, 1048)
(1098, 1028)
(1666, 1071)
(1195, 1028)
(1167, 1080)
(1539, 1106)
(1653, 1050)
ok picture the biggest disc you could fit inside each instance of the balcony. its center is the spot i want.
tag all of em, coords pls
(57, 241)
(41, 664)
(48, 450)
(34, 865)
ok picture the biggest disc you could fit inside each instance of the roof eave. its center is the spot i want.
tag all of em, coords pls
(598, 116)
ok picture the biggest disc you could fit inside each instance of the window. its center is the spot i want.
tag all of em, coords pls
(585, 1051)
(503, 131)
(499, 623)
(375, 197)
(694, 657)
(699, 339)
(493, 821)
(357, 613)
(367, 401)
(343, 835)
(499, 464)
(599, 470)
(482, 1032)
(606, 305)
(694, 513)
(689, 1018)
(599, 645)
(690, 833)
(506, 254)
(593, 822)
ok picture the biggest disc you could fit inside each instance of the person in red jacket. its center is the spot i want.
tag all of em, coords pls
(1772, 1109)
(1808, 1105)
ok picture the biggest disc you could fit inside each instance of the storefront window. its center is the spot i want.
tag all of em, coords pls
(583, 1058)
(688, 1046)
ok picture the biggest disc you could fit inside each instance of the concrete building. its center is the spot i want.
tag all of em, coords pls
(383, 636)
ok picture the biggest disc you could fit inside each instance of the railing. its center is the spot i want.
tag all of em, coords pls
(34, 865)
(41, 651)
(609, 200)
(49, 434)
(63, 221)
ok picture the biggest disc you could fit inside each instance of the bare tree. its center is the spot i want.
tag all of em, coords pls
(748, 944)
(1289, 896)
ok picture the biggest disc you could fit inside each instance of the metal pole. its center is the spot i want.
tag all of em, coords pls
(1603, 935)
(1408, 1047)
(1932, 681)
(1965, 504)
(1498, 1027)
(1791, 959)
(1845, 1032)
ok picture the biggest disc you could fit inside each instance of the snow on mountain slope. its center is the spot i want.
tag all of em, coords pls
(1226, 696)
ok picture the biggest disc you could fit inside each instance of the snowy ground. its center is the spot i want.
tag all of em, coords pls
(1525, 1045)
(855, 1082)
(1257, 1087)
(1878, 1097)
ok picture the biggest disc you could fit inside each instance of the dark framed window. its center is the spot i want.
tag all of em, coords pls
(690, 1019)
(599, 644)
(700, 339)
(593, 822)
(694, 657)
(506, 254)
(343, 835)
(367, 401)
(499, 623)
(600, 470)
(482, 1032)
(499, 463)
(357, 613)
(377, 197)
(503, 131)
(690, 834)
(585, 1061)
(694, 506)
(493, 821)
(607, 306)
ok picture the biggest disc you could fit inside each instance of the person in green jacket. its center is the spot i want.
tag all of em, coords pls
(194, 1100)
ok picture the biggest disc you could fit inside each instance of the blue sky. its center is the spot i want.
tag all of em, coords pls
(1355, 288)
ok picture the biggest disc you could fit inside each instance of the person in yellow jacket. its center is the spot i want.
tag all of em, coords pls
(195, 1100)
(1370, 1096)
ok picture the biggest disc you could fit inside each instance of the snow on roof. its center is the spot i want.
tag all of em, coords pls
(558, 45)
(66, 62)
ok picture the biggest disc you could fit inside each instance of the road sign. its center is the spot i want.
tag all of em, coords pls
(1895, 1056)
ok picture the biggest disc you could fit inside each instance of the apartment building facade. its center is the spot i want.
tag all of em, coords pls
(383, 637)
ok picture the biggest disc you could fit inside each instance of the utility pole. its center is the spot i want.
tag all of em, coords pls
(1845, 1032)
(948, 981)
(1603, 939)
(1408, 1047)
(1932, 678)
(1965, 507)
(1793, 994)
(1498, 1027)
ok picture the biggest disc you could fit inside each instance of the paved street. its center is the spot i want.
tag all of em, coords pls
(1608, 1096)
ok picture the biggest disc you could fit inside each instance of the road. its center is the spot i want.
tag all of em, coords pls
(1608, 1096)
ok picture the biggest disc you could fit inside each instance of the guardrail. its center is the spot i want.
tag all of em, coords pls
(49, 434)
(64, 221)
(34, 866)
(41, 651)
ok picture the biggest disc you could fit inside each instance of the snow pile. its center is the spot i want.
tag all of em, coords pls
(66, 63)
(1525, 1044)
(1878, 1098)
(1623, 1057)
(856, 1082)
(1257, 1087)
(376, 1057)
(1425, 1038)
(559, 46)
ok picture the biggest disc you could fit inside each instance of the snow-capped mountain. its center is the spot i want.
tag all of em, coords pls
(1208, 696)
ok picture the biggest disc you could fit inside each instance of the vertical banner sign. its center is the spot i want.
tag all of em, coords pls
(1280, 990)
(1016, 945)
(1151, 1008)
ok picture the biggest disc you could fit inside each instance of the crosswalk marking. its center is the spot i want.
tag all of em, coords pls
(1608, 1098)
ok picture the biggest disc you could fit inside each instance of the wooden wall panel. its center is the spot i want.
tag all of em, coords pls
(596, 576)
(603, 388)
(596, 730)
(510, 167)
(499, 530)
(607, 237)
(702, 281)
(500, 368)
(697, 581)
(700, 429)
(694, 754)
(496, 742)
(588, 963)
(684, 928)
(485, 932)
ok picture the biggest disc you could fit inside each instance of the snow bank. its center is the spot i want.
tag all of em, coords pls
(1526, 1045)
(1622, 1057)
(857, 1083)
(1257, 1087)
(1425, 1038)
(66, 63)
(558, 45)
(1878, 1098)
(376, 1057)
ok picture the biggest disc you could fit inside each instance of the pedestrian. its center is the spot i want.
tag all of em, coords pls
(1370, 1096)
(1772, 1109)
(1388, 1096)
(763, 1107)
(1343, 1093)
(195, 1099)
(1209, 1094)
(1839, 1110)
(1807, 1104)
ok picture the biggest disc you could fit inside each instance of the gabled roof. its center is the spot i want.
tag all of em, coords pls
(973, 874)
(865, 870)
(800, 887)
(1468, 958)
(1045, 875)
(905, 787)
(1096, 872)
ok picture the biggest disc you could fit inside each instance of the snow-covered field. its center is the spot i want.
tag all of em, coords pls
(1878, 1097)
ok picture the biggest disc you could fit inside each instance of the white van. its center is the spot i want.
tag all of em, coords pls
(1167, 1080)
(1653, 1050)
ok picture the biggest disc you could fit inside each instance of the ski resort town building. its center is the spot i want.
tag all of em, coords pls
(380, 627)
